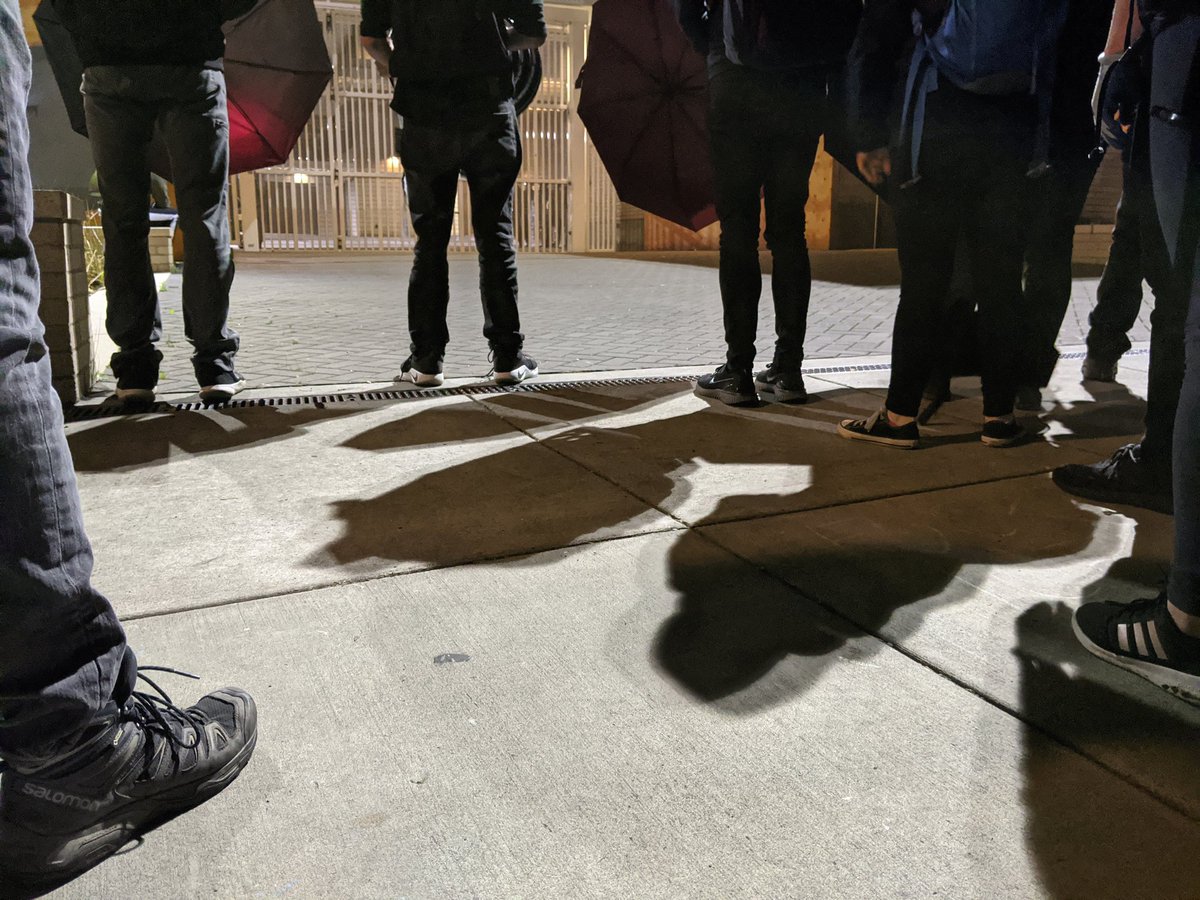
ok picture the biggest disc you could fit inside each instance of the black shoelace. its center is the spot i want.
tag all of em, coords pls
(157, 712)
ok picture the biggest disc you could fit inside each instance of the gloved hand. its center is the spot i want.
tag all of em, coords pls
(1121, 93)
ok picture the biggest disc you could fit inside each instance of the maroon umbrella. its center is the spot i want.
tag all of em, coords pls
(644, 101)
(276, 68)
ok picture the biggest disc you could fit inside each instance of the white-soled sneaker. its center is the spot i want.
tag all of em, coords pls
(418, 376)
(214, 394)
(514, 368)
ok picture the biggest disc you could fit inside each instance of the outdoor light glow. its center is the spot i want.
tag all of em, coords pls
(301, 178)
(392, 165)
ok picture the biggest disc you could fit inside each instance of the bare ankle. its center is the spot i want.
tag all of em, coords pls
(1188, 624)
(897, 421)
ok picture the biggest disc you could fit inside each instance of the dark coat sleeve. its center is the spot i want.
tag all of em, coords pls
(874, 70)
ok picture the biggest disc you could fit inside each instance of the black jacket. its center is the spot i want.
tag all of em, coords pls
(149, 32)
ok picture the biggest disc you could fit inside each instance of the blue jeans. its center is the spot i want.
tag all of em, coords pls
(63, 657)
(187, 105)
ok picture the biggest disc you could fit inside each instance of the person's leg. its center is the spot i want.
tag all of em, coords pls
(1119, 295)
(195, 122)
(788, 167)
(431, 187)
(64, 654)
(1060, 198)
(739, 166)
(1185, 571)
(997, 244)
(120, 129)
(491, 166)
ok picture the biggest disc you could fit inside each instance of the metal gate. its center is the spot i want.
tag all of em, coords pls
(343, 187)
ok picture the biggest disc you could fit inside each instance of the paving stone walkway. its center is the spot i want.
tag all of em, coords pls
(338, 319)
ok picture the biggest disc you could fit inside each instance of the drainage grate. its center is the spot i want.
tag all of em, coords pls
(109, 410)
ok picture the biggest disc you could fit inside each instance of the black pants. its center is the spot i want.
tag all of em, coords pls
(972, 188)
(1058, 201)
(124, 104)
(1140, 251)
(1175, 157)
(489, 155)
(764, 131)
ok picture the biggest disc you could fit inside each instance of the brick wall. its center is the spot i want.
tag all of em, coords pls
(58, 240)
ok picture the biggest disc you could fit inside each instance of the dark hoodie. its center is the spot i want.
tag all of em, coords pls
(149, 32)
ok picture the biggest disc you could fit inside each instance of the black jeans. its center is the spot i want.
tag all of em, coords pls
(489, 155)
(1140, 251)
(124, 105)
(764, 131)
(1175, 159)
(63, 657)
(1059, 198)
(972, 188)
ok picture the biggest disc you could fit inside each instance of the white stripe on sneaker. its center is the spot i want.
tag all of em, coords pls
(1139, 637)
(1158, 647)
(1123, 637)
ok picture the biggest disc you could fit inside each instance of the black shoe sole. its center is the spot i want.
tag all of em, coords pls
(1164, 504)
(729, 398)
(78, 853)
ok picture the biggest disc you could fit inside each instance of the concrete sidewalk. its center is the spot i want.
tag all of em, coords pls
(608, 640)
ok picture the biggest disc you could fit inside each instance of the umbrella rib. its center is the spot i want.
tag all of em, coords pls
(642, 133)
(629, 54)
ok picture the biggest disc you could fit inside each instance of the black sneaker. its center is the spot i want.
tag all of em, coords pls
(1125, 477)
(732, 386)
(1142, 638)
(1001, 433)
(512, 367)
(151, 762)
(785, 385)
(878, 430)
(1029, 398)
(1100, 368)
(424, 371)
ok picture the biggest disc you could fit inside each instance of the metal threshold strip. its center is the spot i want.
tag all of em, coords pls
(108, 410)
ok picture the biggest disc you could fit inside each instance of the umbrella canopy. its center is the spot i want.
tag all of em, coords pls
(644, 102)
(276, 69)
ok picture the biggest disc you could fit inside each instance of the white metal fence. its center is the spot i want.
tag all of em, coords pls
(343, 187)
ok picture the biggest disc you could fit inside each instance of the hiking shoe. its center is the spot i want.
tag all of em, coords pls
(1001, 433)
(732, 386)
(1029, 398)
(785, 385)
(424, 372)
(216, 394)
(149, 763)
(1141, 637)
(878, 430)
(1125, 477)
(1100, 368)
(513, 367)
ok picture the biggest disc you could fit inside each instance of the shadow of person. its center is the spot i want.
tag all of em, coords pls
(863, 563)
(537, 495)
(135, 442)
(1128, 824)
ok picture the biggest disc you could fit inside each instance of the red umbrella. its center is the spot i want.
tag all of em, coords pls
(276, 68)
(644, 101)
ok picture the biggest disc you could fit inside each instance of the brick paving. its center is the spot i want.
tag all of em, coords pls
(341, 319)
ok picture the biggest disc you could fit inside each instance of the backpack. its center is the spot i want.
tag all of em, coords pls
(995, 47)
(789, 34)
(447, 40)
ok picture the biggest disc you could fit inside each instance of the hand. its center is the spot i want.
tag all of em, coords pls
(875, 165)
